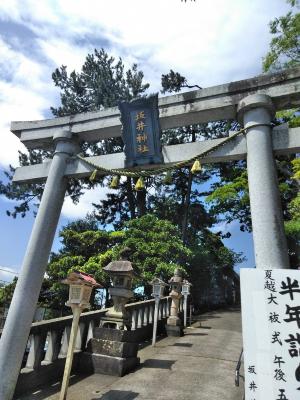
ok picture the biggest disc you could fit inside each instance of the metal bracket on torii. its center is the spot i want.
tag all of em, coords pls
(253, 101)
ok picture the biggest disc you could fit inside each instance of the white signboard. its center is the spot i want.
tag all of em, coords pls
(271, 333)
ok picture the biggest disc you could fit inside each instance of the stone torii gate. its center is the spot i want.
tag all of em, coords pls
(252, 101)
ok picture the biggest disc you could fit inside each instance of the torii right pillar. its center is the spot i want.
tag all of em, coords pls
(255, 112)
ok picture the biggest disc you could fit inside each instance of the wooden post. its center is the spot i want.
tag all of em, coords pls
(68, 366)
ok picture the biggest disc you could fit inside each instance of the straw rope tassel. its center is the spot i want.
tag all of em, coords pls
(196, 167)
(140, 185)
(114, 184)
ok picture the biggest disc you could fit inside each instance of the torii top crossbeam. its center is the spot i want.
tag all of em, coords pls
(200, 106)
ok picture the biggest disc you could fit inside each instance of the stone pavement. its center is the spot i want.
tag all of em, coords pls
(200, 365)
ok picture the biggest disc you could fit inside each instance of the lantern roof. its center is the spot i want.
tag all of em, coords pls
(157, 280)
(81, 278)
(119, 266)
(122, 265)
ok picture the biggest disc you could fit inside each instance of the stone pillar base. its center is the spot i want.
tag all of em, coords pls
(110, 352)
(173, 330)
(108, 365)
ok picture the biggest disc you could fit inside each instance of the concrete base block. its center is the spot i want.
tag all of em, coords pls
(108, 365)
(112, 348)
(115, 335)
(174, 330)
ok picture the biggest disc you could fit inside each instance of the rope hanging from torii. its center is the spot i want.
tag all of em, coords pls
(117, 173)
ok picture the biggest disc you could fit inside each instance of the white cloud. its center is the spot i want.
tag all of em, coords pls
(191, 37)
(24, 95)
(63, 52)
(74, 211)
(7, 274)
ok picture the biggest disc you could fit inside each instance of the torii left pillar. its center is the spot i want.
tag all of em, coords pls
(21, 312)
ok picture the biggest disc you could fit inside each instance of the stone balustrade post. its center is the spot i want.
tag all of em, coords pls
(139, 320)
(79, 337)
(134, 319)
(151, 311)
(54, 343)
(36, 351)
(65, 342)
(90, 332)
(146, 315)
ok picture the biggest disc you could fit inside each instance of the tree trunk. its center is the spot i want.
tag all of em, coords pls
(141, 202)
(130, 198)
(187, 201)
(186, 208)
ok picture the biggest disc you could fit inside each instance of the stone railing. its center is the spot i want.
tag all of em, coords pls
(48, 341)
(142, 312)
(142, 315)
(47, 348)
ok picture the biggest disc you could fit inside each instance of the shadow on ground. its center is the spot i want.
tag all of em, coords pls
(117, 395)
(195, 334)
(182, 344)
(163, 364)
(44, 392)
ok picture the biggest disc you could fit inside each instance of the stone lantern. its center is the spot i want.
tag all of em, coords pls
(114, 347)
(174, 326)
(185, 291)
(80, 289)
(158, 287)
(121, 275)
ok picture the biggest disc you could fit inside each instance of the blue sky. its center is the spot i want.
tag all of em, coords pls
(209, 42)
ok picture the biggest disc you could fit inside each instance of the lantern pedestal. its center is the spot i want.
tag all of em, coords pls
(174, 330)
(174, 325)
(110, 352)
(116, 316)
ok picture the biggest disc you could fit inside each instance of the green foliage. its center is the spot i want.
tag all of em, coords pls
(6, 293)
(84, 243)
(157, 249)
(230, 197)
(95, 265)
(85, 250)
(284, 47)
(60, 266)
(292, 229)
(295, 121)
(101, 83)
(174, 82)
(296, 168)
